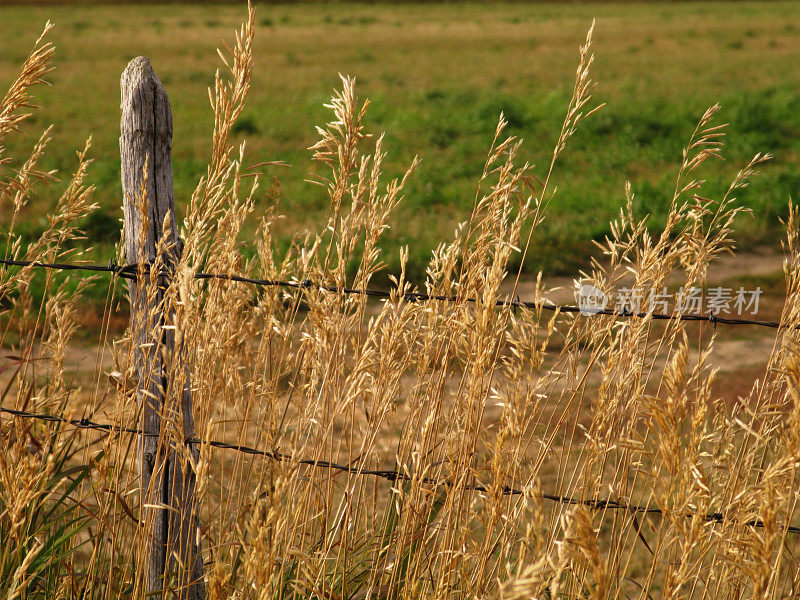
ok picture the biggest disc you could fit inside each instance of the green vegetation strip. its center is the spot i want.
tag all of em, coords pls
(438, 77)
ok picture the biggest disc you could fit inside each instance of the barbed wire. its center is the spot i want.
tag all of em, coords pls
(127, 272)
(391, 475)
(130, 271)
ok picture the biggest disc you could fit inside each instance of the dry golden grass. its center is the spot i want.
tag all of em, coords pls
(452, 394)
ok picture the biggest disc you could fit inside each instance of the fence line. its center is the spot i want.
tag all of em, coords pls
(129, 272)
(388, 474)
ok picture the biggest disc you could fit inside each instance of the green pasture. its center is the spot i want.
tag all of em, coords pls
(438, 76)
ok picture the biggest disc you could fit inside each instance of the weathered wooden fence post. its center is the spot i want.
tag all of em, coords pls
(169, 508)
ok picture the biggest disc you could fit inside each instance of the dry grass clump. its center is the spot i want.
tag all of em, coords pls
(463, 398)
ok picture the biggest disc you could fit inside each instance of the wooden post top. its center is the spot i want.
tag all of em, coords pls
(145, 149)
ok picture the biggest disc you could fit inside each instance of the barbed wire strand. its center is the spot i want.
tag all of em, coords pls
(129, 272)
(388, 474)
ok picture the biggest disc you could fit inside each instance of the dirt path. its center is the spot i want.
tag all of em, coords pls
(740, 353)
(759, 262)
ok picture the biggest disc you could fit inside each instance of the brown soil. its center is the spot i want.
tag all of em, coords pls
(740, 353)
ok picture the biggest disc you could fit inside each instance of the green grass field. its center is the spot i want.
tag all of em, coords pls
(438, 77)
